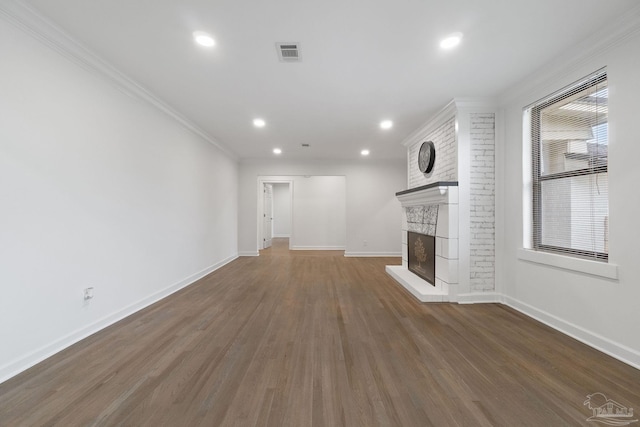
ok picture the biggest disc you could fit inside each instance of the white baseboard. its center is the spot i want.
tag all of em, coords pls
(604, 344)
(373, 254)
(317, 248)
(248, 253)
(12, 369)
(480, 298)
(281, 236)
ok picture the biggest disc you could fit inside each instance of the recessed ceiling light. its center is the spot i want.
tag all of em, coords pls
(365, 152)
(259, 123)
(277, 151)
(203, 39)
(386, 124)
(451, 41)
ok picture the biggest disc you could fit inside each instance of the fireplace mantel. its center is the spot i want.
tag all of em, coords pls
(434, 193)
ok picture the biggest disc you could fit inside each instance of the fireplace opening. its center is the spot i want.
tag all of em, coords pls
(422, 256)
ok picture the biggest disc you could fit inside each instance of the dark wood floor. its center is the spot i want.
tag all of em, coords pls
(316, 339)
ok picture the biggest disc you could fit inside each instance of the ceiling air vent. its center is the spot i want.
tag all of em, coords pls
(288, 52)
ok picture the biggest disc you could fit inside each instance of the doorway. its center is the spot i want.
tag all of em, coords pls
(268, 216)
(274, 210)
(317, 207)
(281, 224)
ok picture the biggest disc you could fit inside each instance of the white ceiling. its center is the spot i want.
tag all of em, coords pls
(362, 61)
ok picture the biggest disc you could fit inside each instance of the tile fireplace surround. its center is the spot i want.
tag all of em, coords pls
(431, 209)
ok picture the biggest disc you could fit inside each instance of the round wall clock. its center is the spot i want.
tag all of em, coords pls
(426, 157)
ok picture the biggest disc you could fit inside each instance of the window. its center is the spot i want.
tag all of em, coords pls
(569, 132)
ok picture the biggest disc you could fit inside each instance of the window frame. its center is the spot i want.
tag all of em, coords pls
(537, 179)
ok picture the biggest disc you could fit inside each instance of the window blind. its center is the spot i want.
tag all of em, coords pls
(570, 142)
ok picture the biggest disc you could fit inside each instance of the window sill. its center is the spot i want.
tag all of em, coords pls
(594, 268)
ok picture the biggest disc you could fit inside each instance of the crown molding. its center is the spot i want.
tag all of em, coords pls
(448, 112)
(477, 105)
(608, 37)
(30, 21)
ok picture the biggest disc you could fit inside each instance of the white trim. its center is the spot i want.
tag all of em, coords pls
(430, 125)
(527, 180)
(317, 248)
(248, 253)
(603, 344)
(475, 105)
(280, 236)
(30, 21)
(12, 369)
(372, 254)
(499, 202)
(481, 298)
(463, 173)
(579, 265)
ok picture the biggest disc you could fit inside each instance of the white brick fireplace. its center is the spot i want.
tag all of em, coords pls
(455, 203)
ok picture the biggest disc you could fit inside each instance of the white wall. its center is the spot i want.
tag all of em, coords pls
(600, 311)
(97, 189)
(281, 210)
(372, 210)
(319, 212)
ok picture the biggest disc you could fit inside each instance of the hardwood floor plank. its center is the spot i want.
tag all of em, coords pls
(311, 338)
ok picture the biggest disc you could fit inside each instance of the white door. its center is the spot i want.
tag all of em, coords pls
(268, 215)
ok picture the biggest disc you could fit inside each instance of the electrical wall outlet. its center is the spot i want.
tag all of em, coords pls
(88, 293)
(365, 243)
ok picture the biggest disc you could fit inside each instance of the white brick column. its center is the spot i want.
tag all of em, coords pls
(464, 137)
